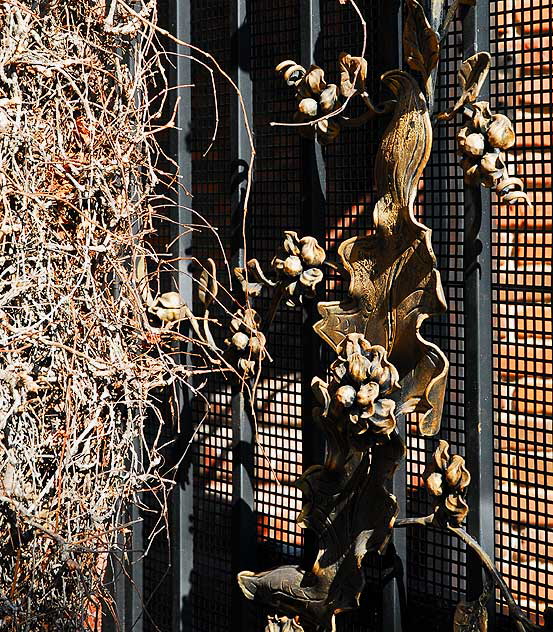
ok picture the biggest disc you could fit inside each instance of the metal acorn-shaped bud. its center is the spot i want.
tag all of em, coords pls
(308, 107)
(434, 483)
(482, 116)
(328, 98)
(240, 340)
(327, 131)
(311, 253)
(358, 367)
(492, 167)
(315, 79)
(292, 266)
(367, 394)
(474, 144)
(501, 134)
(345, 396)
(471, 171)
(257, 343)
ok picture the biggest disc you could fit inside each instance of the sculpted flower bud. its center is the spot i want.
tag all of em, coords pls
(291, 243)
(292, 266)
(456, 508)
(311, 253)
(482, 116)
(434, 484)
(328, 98)
(492, 168)
(474, 144)
(471, 171)
(256, 344)
(501, 133)
(308, 107)
(310, 278)
(367, 394)
(327, 131)
(456, 474)
(315, 79)
(246, 366)
(345, 396)
(358, 367)
(240, 341)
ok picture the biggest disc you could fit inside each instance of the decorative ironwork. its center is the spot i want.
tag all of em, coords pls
(384, 369)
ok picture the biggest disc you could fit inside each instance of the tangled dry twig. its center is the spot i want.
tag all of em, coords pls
(80, 355)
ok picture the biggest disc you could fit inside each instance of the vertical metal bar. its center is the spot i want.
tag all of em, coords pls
(243, 444)
(182, 503)
(134, 609)
(313, 192)
(390, 26)
(478, 338)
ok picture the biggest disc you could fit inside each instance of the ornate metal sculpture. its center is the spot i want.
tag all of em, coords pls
(384, 369)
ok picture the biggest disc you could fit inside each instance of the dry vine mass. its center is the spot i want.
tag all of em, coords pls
(80, 352)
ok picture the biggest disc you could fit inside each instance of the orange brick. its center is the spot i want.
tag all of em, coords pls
(523, 296)
(534, 247)
(523, 322)
(530, 396)
(527, 580)
(533, 92)
(523, 274)
(533, 133)
(533, 543)
(523, 432)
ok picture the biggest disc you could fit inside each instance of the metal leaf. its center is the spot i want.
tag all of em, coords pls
(420, 41)
(472, 74)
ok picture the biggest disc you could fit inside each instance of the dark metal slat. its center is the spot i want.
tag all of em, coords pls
(478, 338)
(182, 502)
(243, 436)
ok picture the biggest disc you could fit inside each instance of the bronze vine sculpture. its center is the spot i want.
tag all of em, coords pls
(384, 369)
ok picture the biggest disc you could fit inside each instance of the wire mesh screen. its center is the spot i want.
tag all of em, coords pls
(212, 577)
(435, 561)
(522, 252)
(276, 206)
(521, 46)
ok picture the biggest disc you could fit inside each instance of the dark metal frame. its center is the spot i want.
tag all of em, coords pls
(477, 309)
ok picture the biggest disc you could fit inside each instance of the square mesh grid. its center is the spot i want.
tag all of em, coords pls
(521, 46)
(212, 577)
(276, 207)
(435, 561)
(523, 384)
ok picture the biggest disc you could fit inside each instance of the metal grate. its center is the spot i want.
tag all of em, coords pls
(276, 207)
(436, 565)
(521, 78)
(212, 577)
(435, 561)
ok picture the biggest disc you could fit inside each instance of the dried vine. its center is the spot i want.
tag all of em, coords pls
(87, 349)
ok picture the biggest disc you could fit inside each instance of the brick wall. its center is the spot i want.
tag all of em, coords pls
(521, 33)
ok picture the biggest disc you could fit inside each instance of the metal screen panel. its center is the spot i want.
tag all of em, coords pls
(435, 561)
(523, 365)
(350, 198)
(212, 577)
(276, 206)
